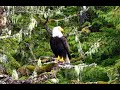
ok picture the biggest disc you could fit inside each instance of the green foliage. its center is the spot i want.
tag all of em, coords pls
(38, 44)
(110, 61)
(9, 48)
(41, 45)
(117, 69)
(11, 64)
(114, 72)
(109, 46)
(94, 74)
(65, 75)
(62, 80)
(99, 19)
(105, 27)
(108, 15)
(9, 45)
(70, 10)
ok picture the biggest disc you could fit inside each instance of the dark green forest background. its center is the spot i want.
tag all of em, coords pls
(93, 38)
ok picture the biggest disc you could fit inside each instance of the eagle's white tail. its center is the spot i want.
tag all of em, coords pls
(67, 60)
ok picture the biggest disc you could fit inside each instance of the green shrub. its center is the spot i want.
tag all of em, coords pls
(65, 75)
(109, 47)
(110, 61)
(94, 74)
(114, 73)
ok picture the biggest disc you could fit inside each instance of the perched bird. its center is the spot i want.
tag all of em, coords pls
(59, 45)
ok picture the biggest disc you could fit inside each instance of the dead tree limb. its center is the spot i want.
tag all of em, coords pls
(47, 28)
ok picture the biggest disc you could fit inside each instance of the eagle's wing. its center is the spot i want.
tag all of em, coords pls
(66, 45)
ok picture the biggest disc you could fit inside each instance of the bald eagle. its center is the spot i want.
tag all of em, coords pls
(59, 45)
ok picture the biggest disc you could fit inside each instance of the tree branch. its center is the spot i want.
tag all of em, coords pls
(47, 28)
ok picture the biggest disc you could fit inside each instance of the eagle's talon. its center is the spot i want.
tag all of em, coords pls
(58, 58)
(61, 60)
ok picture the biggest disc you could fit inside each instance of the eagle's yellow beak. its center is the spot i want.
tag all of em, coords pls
(61, 29)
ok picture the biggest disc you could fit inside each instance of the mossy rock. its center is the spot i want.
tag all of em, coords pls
(30, 67)
(23, 71)
(45, 68)
(23, 78)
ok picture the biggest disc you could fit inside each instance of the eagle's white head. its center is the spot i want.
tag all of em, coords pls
(57, 31)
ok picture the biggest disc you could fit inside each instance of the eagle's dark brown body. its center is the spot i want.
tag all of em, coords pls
(60, 47)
